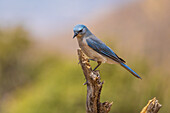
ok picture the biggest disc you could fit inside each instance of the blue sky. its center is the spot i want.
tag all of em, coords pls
(41, 17)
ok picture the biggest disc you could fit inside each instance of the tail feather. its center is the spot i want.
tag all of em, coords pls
(130, 70)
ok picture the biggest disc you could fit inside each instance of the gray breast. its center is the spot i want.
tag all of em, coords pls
(90, 52)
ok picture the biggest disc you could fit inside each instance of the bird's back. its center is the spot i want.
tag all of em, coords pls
(100, 47)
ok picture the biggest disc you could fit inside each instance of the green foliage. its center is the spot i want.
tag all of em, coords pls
(13, 45)
(50, 84)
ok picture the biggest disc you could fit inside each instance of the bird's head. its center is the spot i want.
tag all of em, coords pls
(80, 30)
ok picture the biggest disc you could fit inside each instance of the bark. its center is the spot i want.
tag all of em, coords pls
(94, 87)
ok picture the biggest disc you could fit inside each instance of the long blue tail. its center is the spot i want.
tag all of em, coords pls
(130, 70)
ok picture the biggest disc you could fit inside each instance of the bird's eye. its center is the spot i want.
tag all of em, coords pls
(81, 30)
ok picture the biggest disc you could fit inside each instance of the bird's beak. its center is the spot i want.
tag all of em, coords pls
(75, 34)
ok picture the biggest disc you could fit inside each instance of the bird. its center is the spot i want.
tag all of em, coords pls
(97, 50)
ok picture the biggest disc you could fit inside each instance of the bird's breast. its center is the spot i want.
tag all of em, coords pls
(92, 54)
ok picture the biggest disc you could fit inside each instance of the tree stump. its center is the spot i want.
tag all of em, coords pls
(94, 87)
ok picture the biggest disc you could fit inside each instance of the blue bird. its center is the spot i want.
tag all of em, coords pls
(96, 50)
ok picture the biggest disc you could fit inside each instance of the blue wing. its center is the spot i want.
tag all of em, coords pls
(101, 48)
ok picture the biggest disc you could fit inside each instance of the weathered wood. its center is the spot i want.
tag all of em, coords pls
(153, 106)
(94, 87)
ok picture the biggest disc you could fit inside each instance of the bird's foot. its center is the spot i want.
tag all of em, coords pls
(85, 83)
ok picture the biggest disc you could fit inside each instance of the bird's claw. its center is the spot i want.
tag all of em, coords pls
(85, 83)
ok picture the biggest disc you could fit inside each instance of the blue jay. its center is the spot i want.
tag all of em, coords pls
(96, 50)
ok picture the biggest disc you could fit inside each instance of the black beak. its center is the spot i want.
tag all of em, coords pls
(75, 34)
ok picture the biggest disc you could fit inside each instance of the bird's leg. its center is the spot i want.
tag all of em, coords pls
(99, 63)
(91, 60)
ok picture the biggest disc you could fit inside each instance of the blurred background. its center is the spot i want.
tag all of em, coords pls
(39, 71)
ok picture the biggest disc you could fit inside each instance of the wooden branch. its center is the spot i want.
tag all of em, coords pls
(94, 87)
(152, 107)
